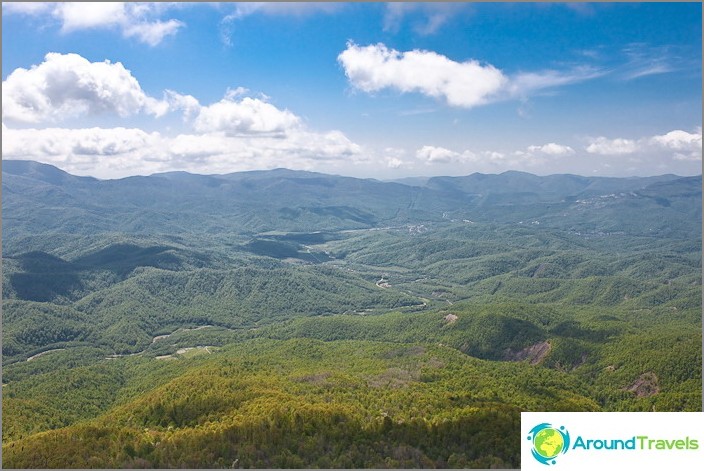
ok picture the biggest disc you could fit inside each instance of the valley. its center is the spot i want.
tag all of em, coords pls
(295, 319)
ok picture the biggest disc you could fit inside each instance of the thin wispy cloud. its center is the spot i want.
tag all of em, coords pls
(243, 10)
(417, 111)
(644, 61)
(425, 18)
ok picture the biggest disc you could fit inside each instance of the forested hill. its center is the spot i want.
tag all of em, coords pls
(40, 198)
(280, 319)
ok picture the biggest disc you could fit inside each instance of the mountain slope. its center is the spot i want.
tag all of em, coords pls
(39, 198)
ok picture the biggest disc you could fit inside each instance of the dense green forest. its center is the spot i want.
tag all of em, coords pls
(292, 319)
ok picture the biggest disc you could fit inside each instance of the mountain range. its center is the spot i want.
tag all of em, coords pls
(283, 318)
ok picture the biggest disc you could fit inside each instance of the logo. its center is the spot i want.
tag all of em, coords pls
(548, 442)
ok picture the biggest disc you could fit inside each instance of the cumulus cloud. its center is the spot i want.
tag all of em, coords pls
(394, 158)
(687, 146)
(245, 116)
(394, 162)
(486, 160)
(238, 132)
(461, 84)
(441, 155)
(92, 151)
(676, 151)
(119, 152)
(376, 67)
(68, 85)
(681, 145)
(188, 104)
(618, 146)
(134, 20)
(88, 15)
(680, 140)
(552, 149)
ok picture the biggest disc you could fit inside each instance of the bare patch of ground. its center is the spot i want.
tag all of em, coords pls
(534, 353)
(645, 386)
(450, 318)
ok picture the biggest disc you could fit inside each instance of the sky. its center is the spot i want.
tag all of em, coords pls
(373, 90)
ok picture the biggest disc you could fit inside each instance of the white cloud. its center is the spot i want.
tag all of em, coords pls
(188, 104)
(491, 161)
(462, 84)
(152, 33)
(119, 152)
(494, 156)
(94, 151)
(246, 116)
(236, 133)
(682, 145)
(432, 154)
(441, 155)
(68, 85)
(552, 149)
(677, 152)
(87, 15)
(644, 61)
(687, 146)
(680, 140)
(394, 157)
(26, 8)
(618, 146)
(393, 162)
(134, 20)
(376, 67)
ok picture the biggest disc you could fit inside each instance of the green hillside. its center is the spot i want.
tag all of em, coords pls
(295, 319)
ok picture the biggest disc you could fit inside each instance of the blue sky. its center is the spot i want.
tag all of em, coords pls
(362, 89)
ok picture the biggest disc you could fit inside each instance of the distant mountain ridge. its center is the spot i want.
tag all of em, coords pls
(39, 197)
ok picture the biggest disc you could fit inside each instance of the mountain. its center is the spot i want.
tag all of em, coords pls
(42, 172)
(522, 187)
(40, 198)
(181, 202)
(295, 319)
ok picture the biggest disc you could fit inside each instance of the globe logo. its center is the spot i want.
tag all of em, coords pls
(548, 442)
